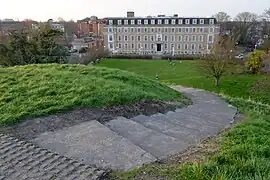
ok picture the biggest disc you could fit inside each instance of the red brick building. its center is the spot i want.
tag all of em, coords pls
(90, 27)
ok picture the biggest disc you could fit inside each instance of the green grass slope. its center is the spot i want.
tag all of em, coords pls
(186, 73)
(34, 90)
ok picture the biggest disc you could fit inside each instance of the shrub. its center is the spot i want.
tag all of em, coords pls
(254, 62)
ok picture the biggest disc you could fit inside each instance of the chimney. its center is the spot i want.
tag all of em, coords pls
(175, 15)
(130, 14)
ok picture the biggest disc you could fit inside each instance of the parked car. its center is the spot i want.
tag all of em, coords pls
(240, 56)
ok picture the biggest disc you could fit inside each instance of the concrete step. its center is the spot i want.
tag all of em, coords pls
(162, 124)
(94, 143)
(154, 142)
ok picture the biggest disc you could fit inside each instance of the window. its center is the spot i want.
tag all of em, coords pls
(123, 29)
(159, 29)
(119, 29)
(132, 46)
(159, 21)
(139, 21)
(211, 30)
(139, 29)
(152, 46)
(145, 29)
(152, 38)
(119, 38)
(186, 38)
(186, 46)
(119, 46)
(132, 22)
(139, 46)
(201, 29)
(201, 21)
(187, 21)
(126, 46)
(165, 29)
(110, 30)
(193, 38)
(119, 22)
(211, 21)
(173, 30)
(194, 30)
(209, 47)
(173, 21)
(179, 30)
(179, 38)
(126, 30)
(201, 38)
(193, 46)
(131, 30)
(110, 22)
(187, 30)
(200, 46)
(132, 38)
(194, 21)
(152, 29)
(111, 45)
(110, 38)
(126, 22)
(172, 46)
(165, 38)
(210, 38)
(145, 46)
(173, 38)
(126, 38)
(152, 21)
(145, 38)
(165, 46)
(180, 21)
(166, 21)
(146, 21)
(139, 38)
(179, 46)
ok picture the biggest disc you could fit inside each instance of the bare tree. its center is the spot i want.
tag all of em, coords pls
(216, 63)
(60, 19)
(222, 17)
(246, 27)
(266, 15)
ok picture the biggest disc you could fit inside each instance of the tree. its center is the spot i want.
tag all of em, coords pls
(266, 15)
(216, 63)
(33, 46)
(60, 19)
(222, 17)
(246, 27)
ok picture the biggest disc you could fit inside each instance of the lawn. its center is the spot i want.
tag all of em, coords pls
(186, 73)
(243, 152)
(35, 90)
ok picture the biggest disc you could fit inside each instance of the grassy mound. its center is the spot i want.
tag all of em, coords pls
(34, 90)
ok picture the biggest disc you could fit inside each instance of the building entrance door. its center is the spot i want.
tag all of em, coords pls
(158, 47)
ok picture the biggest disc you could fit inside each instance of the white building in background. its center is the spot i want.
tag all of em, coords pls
(160, 35)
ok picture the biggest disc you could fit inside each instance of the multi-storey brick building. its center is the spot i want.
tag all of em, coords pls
(160, 35)
(90, 26)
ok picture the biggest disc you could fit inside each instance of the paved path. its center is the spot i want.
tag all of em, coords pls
(118, 144)
(124, 144)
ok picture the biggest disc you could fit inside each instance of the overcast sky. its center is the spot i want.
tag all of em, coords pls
(79, 9)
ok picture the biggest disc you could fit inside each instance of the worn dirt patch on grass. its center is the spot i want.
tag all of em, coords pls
(30, 128)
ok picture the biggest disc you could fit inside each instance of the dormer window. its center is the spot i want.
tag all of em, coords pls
(187, 21)
(166, 21)
(173, 21)
(119, 22)
(194, 21)
(126, 22)
(159, 21)
(201, 21)
(211, 21)
(152, 21)
(139, 22)
(146, 21)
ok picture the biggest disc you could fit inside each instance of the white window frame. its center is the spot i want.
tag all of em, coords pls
(172, 38)
(187, 21)
(132, 22)
(110, 22)
(173, 21)
(146, 21)
(125, 38)
(132, 38)
(119, 45)
(126, 22)
(180, 30)
(166, 21)
(159, 21)
(201, 21)
(186, 45)
(119, 38)
(186, 38)
(145, 38)
(110, 30)
(212, 21)
(180, 38)
(194, 46)
(186, 30)
(211, 30)
(201, 38)
(153, 21)
(211, 37)
(119, 22)
(201, 28)
(194, 39)
(110, 38)
(139, 21)
(179, 46)
(180, 21)
(194, 21)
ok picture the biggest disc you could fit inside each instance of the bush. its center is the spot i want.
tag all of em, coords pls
(164, 57)
(254, 62)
